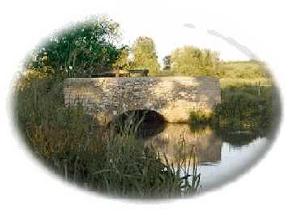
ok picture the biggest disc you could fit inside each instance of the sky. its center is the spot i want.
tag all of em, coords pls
(182, 25)
(174, 35)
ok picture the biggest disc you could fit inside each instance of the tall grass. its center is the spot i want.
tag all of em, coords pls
(251, 110)
(75, 146)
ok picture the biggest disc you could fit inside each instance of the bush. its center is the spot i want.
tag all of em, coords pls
(247, 110)
(200, 117)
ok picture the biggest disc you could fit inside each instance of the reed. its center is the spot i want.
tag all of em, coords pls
(73, 145)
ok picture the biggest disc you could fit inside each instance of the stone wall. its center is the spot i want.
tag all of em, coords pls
(172, 97)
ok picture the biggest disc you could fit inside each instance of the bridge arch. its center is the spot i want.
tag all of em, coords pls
(144, 123)
(141, 114)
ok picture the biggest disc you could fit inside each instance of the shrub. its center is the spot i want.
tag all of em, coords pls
(200, 117)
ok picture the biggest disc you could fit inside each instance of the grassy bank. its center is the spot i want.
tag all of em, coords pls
(247, 111)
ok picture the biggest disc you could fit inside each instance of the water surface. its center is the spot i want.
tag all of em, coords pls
(217, 160)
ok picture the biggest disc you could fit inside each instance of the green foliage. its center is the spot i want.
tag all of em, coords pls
(249, 110)
(80, 50)
(200, 117)
(130, 169)
(190, 60)
(241, 82)
(144, 55)
(123, 59)
(244, 70)
(46, 124)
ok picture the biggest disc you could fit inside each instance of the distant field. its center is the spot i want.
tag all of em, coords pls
(244, 73)
(237, 73)
(243, 69)
(226, 82)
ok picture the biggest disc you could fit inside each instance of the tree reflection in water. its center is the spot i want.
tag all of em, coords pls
(177, 141)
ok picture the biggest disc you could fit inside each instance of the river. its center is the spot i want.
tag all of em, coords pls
(217, 160)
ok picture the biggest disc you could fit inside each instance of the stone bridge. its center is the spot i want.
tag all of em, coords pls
(174, 98)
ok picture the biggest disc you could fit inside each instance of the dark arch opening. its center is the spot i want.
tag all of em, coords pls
(143, 123)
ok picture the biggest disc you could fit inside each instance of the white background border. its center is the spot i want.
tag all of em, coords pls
(269, 191)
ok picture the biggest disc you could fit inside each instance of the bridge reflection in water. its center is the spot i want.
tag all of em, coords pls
(178, 142)
(218, 156)
(217, 161)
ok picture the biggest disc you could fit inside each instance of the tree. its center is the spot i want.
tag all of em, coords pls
(144, 55)
(122, 61)
(167, 62)
(191, 60)
(80, 50)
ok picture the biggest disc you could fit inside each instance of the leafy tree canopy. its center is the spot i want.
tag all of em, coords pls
(80, 50)
(144, 55)
(123, 61)
(191, 60)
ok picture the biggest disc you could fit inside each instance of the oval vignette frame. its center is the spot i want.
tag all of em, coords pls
(274, 131)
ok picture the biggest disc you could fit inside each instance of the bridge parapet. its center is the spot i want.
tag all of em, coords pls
(172, 97)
